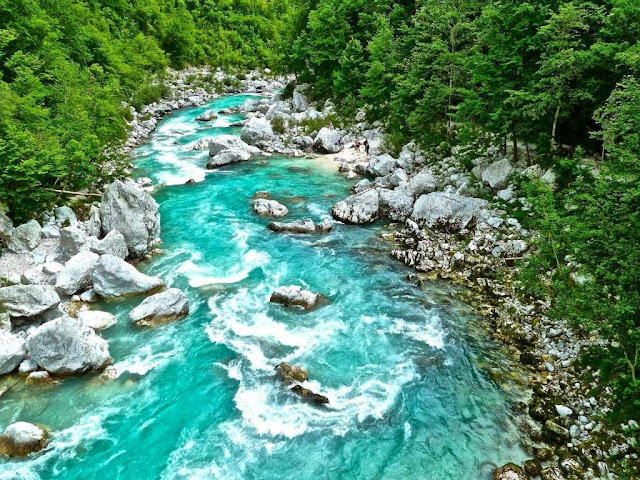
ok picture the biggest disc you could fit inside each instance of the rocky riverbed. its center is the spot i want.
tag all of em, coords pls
(447, 223)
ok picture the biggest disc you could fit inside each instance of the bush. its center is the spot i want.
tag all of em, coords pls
(278, 125)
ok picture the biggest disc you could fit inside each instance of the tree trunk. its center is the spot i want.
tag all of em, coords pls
(528, 155)
(515, 148)
(555, 126)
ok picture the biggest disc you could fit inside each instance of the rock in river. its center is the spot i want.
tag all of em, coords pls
(291, 373)
(128, 208)
(27, 300)
(229, 156)
(206, 116)
(21, 438)
(309, 395)
(225, 142)
(361, 208)
(295, 296)
(257, 131)
(160, 308)
(300, 226)
(96, 319)
(66, 346)
(269, 208)
(113, 277)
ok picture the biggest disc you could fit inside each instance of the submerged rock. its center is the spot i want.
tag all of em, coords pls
(360, 208)
(96, 319)
(309, 395)
(25, 238)
(67, 346)
(510, 471)
(291, 373)
(113, 277)
(21, 438)
(295, 296)
(12, 352)
(160, 308)
(300, 226)
(128, 208)
(28, 300)
(269, 208)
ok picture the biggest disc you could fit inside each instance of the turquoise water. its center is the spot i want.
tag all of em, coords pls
(198, 399)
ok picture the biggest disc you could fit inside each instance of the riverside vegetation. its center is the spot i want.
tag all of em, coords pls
(553, 85)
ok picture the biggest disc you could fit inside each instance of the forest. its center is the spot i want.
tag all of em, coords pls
(558, 78)
(66, 66)
(555, 81)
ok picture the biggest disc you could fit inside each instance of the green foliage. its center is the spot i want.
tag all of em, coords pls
(446, 72)
(66, 67)
(278, 125)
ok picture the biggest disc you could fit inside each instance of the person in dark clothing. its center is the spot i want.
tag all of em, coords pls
(366, 146)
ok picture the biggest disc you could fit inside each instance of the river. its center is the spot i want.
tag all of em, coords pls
(198, 399)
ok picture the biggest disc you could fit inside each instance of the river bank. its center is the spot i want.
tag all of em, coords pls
(387, 196)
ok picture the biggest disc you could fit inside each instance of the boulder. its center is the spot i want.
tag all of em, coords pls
(112, 277)
(300, 102)
(206, 116)
(50, 231)
(422, 183)
(291, 373)
(300, 226)
(162, 307)
(93, 226)
(310, 396)
(552, 473)
(202, 144)
(497, 174)
(510, 471)
(25, 238)
(398, 203)
(21, 438)
(327, 141)
(295, 296)
(43, 274)
(96, 319)
(72, 241)
(113, 243)
(76, 275)
(27, 365)
(269, 208)
(12, 352)
(128, 208)
(6, 226)
(257, 131)
(447, 210)
(382, 165)
(229, 156)
(65, 217)
(225, 142)
(510, 248)
(66, 346)
(549, 178)
(360, 208)
(27, 300)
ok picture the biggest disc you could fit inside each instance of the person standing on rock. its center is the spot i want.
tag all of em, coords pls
(366, 146)
(356, 145)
